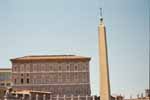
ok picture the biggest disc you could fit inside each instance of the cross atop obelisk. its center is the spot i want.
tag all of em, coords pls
(103, 60)
(101, 16)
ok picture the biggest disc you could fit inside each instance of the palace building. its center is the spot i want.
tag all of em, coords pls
(5, 77)
(60, 74)
(5, 80)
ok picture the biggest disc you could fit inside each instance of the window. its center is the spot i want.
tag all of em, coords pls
(71, 67)
(15, 81)
(27, 67)
(33, 81)
(14, 68)
(27, 81)
(67, 68)
(68, 77)
(2, 84)
(60, 90)
(75, 76)
(22, 67)
(21, 74)
(8, 84)
(50, 68)
(59, 77)
(22, 81)
(75, 67)
(59, 68)
(76, 91)
(27, 74)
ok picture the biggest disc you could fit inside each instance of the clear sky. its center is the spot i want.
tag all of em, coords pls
(30, 27)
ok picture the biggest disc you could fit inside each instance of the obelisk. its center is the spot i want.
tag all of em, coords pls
(103, 60)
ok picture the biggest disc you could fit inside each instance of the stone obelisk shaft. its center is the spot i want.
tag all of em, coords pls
(103, 59)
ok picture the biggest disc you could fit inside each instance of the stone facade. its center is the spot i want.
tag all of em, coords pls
(5, 77)
(5, 80)
(59, 74)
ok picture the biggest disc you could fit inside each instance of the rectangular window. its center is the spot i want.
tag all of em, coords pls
(75, 68)
(2, 84)
(68, 68)
(15, 81)
(8, 84)
(27, 81)
(22, 81)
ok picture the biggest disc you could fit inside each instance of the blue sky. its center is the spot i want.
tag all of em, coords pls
(30, 27)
